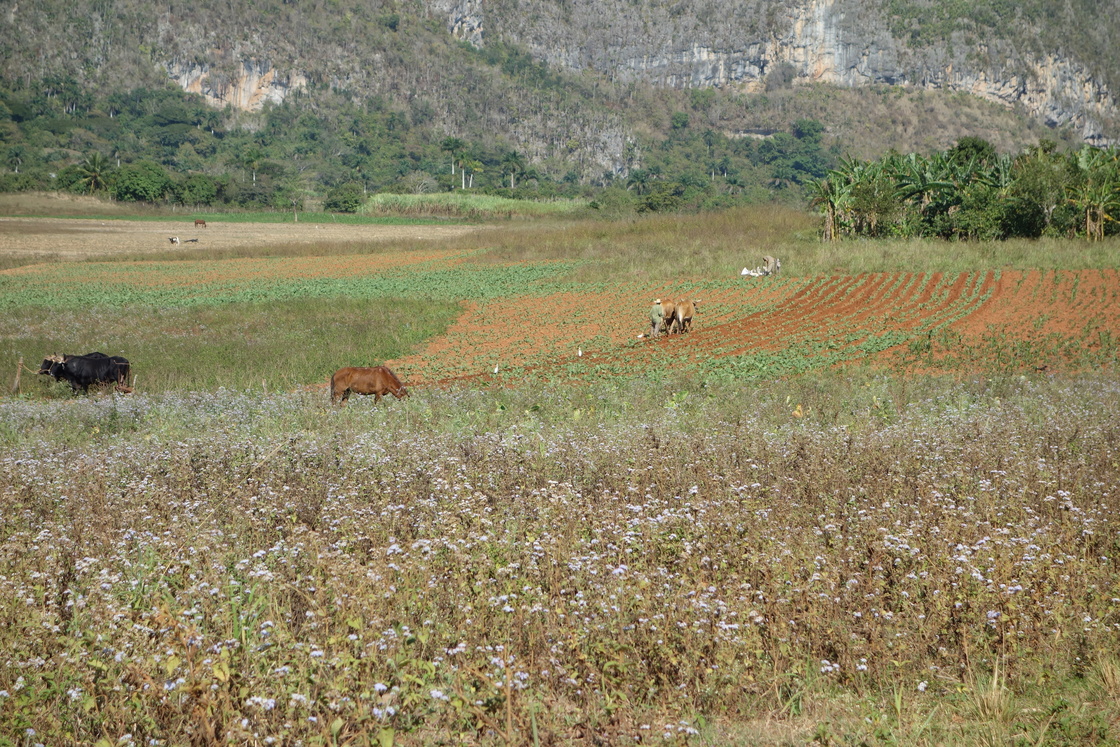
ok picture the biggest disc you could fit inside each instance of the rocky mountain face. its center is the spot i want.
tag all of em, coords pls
(409, 53)
(253, 83)
(737, 45)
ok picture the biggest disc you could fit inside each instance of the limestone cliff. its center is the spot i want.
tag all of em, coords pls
(718, 43)
(406, 54)
(245, 85)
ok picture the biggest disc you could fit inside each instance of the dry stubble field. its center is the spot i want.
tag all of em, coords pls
(80, 238)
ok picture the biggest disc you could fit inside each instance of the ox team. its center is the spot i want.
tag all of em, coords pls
(83, 371)
(670, 317)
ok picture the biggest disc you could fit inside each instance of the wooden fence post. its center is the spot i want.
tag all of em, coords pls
(19, 372)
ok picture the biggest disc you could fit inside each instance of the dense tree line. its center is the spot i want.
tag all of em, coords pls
(167, 146)
(971, 192)
(164, 145)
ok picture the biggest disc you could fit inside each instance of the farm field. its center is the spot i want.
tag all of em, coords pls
(525, 319)
(851, 506)
(81, 238)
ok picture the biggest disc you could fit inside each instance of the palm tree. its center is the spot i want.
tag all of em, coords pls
(15, 157)
(474, 166)
(639, 180)
(455, 147)
(94, 172)
(514, 163)
(250, 159)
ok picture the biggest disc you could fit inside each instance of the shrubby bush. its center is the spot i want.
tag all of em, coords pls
(346, 198)
(141, 181)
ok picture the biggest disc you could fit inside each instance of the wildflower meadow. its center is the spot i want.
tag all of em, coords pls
(618, 564)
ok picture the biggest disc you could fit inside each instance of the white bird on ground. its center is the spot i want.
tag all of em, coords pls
(579, 352)
(495, 369)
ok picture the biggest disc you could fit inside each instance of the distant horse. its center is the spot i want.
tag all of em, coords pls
(378, 380)
(199, 222)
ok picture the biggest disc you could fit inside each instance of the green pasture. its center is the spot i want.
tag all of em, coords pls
(281, 344)
(80, 286)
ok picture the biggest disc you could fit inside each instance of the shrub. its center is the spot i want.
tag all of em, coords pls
(144, 181)
(345, 199)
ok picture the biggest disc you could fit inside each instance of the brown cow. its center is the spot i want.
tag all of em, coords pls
(377, 381)
(682, 316)
(199, 222)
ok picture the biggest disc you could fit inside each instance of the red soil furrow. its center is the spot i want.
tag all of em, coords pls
(876, 300)
(782, 326)
(876, 306)
(601, 316)
(960, 287)
(1043, 304)
(872, 292)
(726, 305)
(790, 314)
(542, 335)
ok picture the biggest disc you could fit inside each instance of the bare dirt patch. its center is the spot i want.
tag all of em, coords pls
(70, 238)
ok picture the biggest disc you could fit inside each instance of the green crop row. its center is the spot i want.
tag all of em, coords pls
(115, 285)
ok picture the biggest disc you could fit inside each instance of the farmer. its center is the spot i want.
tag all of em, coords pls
(771, 265)
(656, 318)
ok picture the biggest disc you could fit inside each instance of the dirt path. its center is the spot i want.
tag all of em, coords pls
(80, 238)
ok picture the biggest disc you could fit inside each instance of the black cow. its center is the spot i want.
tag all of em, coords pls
(52, 360)
(80, 371)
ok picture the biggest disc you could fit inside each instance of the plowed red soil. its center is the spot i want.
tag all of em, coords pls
(1048, 319)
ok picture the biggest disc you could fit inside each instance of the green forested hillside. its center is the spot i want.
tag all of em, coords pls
(386, 99)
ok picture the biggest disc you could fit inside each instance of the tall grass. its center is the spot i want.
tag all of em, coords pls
(460, 204)
(665, 247)
(720, 244)
(279, 345)
(928, 562)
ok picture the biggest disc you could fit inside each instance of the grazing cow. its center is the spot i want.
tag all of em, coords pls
(377, 381)
(682, 316)
(199, 222)
(80, 371)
